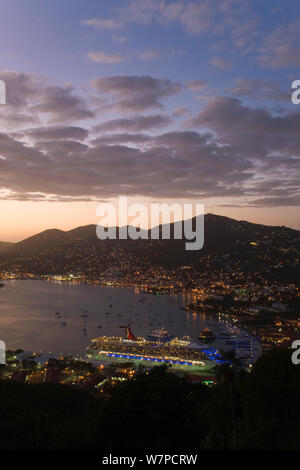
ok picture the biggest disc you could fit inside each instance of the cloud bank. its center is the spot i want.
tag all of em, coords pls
(56, 145)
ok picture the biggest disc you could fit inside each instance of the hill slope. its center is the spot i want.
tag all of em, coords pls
(244, 245)
(4, 246)
(41, 241)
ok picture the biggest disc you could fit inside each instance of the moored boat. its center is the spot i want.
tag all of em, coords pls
(206, 334)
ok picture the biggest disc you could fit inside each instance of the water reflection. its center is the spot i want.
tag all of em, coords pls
(62, 318)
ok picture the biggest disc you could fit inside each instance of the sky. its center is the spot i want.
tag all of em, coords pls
(160, 100)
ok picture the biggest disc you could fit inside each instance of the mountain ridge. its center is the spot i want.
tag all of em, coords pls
(229, 246)
(220, 232)
(54, 234)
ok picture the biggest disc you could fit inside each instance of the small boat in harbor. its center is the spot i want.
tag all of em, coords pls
(206, 334)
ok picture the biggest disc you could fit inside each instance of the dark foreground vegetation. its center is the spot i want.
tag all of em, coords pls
(159, 410)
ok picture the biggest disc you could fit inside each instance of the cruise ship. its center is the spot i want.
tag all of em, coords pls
(159, 336)
(154, 349)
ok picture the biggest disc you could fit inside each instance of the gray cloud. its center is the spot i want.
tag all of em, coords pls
(123, 138)
(221, 63)
(28, 97)
(101, 24)
(135, 124)
(135, 94)
(173, 164)
(254, 128)
(235, 25)
(197, 85)
(149, 54)
(61, 149)
(104, 58)
(280, 48)
(233, 19)
(259, 89)
(228, 150)
(61, 104)
(21, 87)
(57, 133)
(277, 201)
(179, 112)
(270, 142)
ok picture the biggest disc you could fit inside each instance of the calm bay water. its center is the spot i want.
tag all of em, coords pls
(29, 320)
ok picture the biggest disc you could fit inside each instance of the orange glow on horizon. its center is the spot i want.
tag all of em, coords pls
(24, 219)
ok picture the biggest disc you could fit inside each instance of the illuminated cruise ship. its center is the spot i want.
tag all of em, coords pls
(153, 350)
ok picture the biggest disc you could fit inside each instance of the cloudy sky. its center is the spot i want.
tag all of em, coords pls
(157, 99)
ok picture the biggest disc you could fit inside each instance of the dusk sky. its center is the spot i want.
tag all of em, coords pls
(156, 99)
